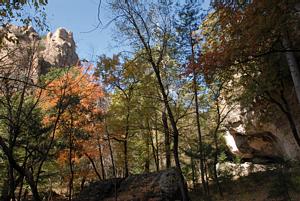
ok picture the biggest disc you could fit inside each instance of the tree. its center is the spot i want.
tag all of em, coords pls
(79, 122)
(20, 117)
(264, 45)
(19, 11)
(187, 27)
(121, 78)
(147, 25)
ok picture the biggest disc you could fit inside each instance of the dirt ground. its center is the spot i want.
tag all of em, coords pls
(266, 186)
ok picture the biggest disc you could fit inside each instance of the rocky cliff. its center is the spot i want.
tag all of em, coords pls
(23, 47)
(248, 136)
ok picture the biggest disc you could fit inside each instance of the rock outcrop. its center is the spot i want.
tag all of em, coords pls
(236, 171)
(23, 47)
(159, 186)
(59, 48)
(248, 136)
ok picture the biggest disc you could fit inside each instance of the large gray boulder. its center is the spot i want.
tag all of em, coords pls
(158, 186)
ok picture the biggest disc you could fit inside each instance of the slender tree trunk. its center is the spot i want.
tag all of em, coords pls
(157, 148)
(111, 152)
(82, 183)
(94, 166)
(156, 159)
(193, 172)
(125, 147)
(207, 179)
(12, 139)
(71, 167)
(183, 187)
(125, 143)
(200, 146)
(101, 157)
(216, 154)
(167, 139)
(22, 171)
(4, 192)
(157, 145)
(285, 108)
(112, 162)
(292, 63)
(21, 189)
(291, 119)
(11, 183)
(147, 160)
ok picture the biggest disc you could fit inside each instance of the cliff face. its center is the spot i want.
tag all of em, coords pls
(248, 136)
(24, 48)
(59, 49)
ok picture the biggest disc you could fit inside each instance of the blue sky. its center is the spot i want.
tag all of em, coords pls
(80, 16)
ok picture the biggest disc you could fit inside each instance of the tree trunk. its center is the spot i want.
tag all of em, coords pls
(112, 162)
(12, 187)
(126, 172)
(22, 171)
(147, 142)
(71, 167)
(125, 143)
(94, 166)
(5, 188)
(291, 119)
(167, 139)
(183, 187)
(156, 157)
(285, 108)
(82, 183)
(110, 152)
(292, 63)
(157, 148)
(100, 157)
(216, 154)
(200, 146)
(157, 144)
(20, 188)
(193, 172)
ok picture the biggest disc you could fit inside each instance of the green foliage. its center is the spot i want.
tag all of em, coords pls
(222, 157)
(18, 10)
(237, 159)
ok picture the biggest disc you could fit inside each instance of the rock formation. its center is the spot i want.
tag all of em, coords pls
(22, 47)
(236, 171)
(158, 186)
(59, 49)
(248, 136)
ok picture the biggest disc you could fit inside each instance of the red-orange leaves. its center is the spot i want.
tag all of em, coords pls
(73, 98)
(235, 34)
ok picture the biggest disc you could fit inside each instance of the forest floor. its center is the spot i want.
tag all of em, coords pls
(275, 185)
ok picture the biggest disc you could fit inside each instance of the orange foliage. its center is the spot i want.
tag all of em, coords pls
(76, 97)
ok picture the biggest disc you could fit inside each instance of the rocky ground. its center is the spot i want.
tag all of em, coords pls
(270, 185)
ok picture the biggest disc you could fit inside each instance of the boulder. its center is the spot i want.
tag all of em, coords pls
(158, 186)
